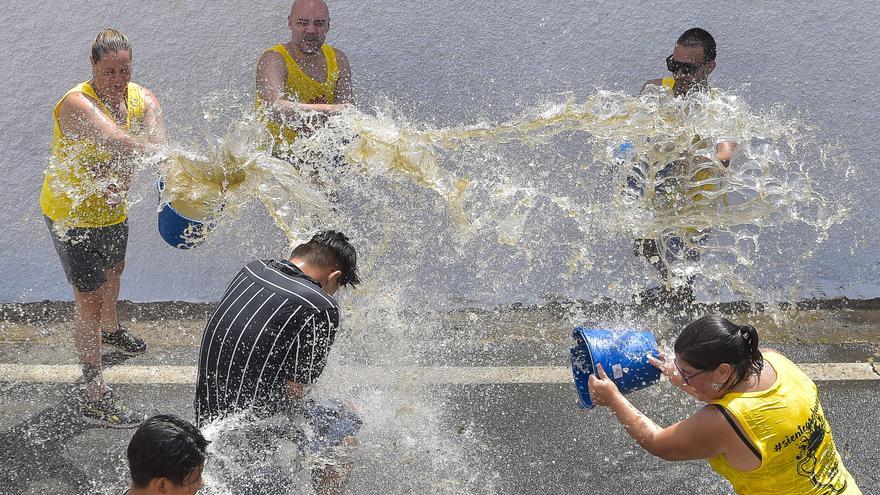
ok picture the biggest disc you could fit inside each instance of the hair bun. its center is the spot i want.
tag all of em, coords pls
(749, 336)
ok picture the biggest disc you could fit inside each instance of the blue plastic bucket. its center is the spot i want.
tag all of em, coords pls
(178, 230)
(623, 356)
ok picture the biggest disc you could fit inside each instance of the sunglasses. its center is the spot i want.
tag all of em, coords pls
(675, 66)
(684, 376)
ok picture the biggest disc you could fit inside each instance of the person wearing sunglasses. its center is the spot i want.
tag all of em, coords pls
(691, 62)
(762, 427)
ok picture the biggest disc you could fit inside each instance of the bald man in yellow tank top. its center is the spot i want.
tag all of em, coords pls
(301, 77)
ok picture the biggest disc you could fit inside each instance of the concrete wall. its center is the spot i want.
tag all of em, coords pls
(446, 62)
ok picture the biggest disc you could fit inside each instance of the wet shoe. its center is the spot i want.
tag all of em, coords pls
(125, 341)
(111, 413)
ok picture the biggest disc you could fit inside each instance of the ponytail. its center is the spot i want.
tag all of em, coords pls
(712, 340)
(108, 41)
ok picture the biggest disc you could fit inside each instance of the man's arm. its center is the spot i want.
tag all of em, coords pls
(81, 118)
(724, 151)
(651, 82)
(314, 341)
(296, 390)
(344, 88)
(271, 76)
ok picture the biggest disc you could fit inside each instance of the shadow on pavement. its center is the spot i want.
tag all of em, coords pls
(34, 449)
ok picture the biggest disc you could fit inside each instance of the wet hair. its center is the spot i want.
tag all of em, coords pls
(331, 248)
(699, 37)
(165, 446)
(108, 41)
(712, 340)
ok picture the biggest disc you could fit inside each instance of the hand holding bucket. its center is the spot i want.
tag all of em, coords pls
(624, 355)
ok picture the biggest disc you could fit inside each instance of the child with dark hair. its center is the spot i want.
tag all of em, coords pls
(762, 427)
(166, 456)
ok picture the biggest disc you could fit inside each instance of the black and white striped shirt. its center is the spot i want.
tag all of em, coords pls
(273, 324)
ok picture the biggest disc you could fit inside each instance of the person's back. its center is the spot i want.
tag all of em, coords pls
(266, 342)
(786, 425)
(272, 323)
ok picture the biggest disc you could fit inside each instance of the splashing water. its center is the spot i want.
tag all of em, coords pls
(550, 189)
(673, 186)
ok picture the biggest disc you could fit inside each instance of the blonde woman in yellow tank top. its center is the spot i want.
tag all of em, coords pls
(303, 80)
(762, 428)
(99, 126)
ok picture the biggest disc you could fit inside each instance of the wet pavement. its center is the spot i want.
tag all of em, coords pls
(425, 436)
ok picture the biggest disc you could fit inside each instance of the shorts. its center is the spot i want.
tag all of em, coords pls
(87, 252)
(325, 423)
(263, 456)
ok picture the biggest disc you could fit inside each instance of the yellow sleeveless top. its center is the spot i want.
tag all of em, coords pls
(787, 426)
(301, 88)
(703, 173)
(72, 160)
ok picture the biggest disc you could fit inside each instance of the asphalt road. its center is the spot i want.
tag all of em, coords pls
(499, 435)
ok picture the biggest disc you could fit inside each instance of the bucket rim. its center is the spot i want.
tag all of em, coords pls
(168, 206)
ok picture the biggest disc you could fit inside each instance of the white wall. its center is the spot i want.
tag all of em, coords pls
(444, 62)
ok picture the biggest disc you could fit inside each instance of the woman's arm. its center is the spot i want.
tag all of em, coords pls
(154, 121)
(80, 117)
(704, 434)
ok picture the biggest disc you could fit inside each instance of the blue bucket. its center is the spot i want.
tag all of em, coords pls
(623, 356)
(178, 230)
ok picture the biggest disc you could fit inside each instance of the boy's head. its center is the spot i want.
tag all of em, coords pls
(166, 456)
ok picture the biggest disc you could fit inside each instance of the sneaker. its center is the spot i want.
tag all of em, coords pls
(125, 341)
(109, 412)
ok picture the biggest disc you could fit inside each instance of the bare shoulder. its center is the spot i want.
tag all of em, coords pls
(271, 60)
(765, 350)
(651, 82)
(150, 97)
(341, 57)
(706, 426)
(711, 414)
(76, 103)
(705, 422)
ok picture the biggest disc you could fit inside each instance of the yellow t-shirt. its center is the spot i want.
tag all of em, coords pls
(72, 163)
(301, 88)
(785, 423)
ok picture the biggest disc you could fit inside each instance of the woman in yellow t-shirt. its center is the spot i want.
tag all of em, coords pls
(101, 125)
(762, 427)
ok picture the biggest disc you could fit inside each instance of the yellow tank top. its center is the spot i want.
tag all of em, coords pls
(301, 88)
(787, 426)
(72, 162)
(704, 178)
(704, 173)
